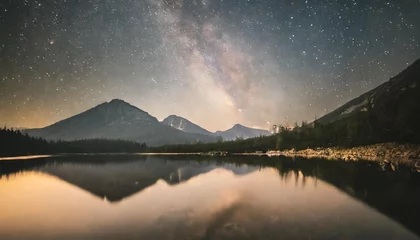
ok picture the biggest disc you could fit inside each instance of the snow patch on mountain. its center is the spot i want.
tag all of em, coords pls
(184, 125)
(354, 107)
(179, 126)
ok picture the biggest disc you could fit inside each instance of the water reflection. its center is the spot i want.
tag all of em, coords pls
(138, 197)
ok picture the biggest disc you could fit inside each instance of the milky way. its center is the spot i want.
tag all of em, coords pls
(215, 62)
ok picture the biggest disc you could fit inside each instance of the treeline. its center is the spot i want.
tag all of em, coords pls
(14, 143)
(357, 130)
(262, 143)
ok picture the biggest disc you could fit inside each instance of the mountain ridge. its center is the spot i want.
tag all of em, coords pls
(116, 119)
(407, 78)
(241, 131)
(237, 131)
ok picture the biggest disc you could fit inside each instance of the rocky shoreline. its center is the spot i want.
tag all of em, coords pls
(392, 153)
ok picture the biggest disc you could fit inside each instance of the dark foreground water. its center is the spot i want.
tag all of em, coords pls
(138, 197)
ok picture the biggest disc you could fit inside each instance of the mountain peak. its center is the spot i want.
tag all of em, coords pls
(121, 105)
(173, 116)
(117, 100)
(238, 126)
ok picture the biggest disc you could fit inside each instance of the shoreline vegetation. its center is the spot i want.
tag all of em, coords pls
(386, 153)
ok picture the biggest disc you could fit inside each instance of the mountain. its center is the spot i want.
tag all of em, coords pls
(185, 125)
(390, 112)
(239, 131)
(117, 119)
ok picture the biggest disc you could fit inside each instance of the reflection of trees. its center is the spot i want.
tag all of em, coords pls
(11, 168)
(393, 193)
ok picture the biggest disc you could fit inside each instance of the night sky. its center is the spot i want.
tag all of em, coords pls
(215, 62)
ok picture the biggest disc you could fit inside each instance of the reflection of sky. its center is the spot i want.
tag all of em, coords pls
(217, 203)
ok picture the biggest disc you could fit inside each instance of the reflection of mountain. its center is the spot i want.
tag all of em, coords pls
(395, 194)
(118, 180)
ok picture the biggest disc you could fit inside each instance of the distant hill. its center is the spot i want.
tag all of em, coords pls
(240, 131)
(117, 119)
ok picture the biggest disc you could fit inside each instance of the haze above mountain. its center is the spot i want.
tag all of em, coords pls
(118, 119)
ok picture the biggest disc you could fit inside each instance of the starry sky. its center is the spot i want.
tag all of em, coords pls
(214, 62)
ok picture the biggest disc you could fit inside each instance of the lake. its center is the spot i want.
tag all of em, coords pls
(192, 197)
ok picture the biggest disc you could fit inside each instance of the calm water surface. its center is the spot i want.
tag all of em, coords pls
(138, 197)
